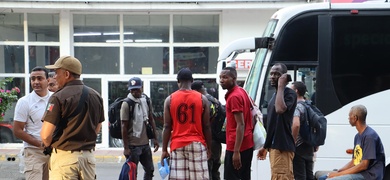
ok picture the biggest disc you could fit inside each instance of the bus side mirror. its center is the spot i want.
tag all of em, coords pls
(264, 42)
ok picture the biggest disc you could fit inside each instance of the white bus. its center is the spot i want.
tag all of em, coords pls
(342, 53)
(238, 54)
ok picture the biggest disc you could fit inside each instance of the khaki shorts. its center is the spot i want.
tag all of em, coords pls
(281, 164)
(36, 164)
(72, 165)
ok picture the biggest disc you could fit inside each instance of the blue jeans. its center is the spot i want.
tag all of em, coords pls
(143, 154)
(357, 176)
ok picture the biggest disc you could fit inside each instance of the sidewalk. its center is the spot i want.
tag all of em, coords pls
(101, 154)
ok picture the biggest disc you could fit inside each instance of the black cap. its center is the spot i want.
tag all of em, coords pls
(134, 83)
(184, 74)
(197, 85)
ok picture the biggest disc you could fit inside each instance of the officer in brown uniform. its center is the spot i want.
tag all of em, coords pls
(71, 123)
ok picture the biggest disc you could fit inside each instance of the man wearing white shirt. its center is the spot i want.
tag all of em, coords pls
(27, 125)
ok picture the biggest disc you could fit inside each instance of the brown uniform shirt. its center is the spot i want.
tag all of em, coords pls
(79, 133)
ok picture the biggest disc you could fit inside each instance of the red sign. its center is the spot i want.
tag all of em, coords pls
(243, 63)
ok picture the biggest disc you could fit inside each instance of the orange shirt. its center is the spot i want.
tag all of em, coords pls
(186, 110)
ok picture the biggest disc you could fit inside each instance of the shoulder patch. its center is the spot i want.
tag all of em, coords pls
(50, 107)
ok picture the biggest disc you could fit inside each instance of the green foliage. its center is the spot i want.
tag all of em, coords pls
(7, 96)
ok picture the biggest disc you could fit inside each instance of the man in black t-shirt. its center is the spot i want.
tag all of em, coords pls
(280, 142)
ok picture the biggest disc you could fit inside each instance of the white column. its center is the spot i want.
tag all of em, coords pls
(66, 33)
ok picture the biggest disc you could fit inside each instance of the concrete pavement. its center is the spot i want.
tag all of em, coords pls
(10, 170)
(109, 162)
(108, 166)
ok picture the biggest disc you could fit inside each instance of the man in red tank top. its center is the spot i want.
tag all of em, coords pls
(187, 125)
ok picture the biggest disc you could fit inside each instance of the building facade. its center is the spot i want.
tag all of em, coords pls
(116, 40)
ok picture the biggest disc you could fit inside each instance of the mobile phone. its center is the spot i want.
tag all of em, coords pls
(289, 78)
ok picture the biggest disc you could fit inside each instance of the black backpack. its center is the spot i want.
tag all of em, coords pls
(313, 130)
(218, 130)
(114, 115)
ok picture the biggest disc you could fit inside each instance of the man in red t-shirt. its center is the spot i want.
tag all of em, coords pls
(239, 128)
(187, 125)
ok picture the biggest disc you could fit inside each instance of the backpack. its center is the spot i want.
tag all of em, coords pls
(313, 130)
(114, 115)
(218, 130)
(128, 171)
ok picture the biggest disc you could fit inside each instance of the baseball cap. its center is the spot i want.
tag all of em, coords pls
(184, 74)
(69, 63)
(134, 83)
(196, 85)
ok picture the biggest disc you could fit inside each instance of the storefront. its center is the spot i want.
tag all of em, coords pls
(117, 40)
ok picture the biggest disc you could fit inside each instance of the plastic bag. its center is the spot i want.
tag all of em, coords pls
(259, 135)
(21, 161)
(164, 170)
(259, 132)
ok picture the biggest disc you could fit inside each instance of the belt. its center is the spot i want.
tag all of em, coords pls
(75, 151)
(90, 150)
(131, 146)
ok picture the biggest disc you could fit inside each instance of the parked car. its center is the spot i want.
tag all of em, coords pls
(6, 133)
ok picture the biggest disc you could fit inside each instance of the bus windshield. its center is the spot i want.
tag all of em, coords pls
(252, 82)
(269, 30)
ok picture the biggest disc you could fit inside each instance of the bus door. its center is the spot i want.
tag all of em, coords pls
(305, 72)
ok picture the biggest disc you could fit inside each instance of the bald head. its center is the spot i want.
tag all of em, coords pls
(360, 111)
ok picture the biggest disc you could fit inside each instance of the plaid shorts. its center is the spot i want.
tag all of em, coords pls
(189, 162)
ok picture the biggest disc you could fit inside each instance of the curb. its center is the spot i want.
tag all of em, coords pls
(101, 155)
(9, 157)
(120, 159)
(101, 159)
